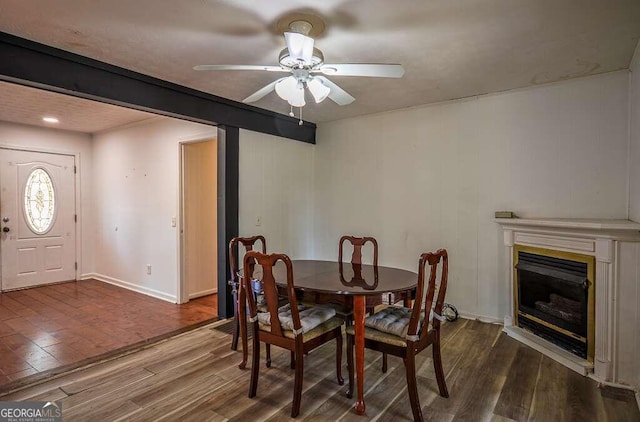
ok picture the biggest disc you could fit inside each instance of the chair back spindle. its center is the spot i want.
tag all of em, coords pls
(248, 243)
(433, 260)
(358, 243)
(270, 289)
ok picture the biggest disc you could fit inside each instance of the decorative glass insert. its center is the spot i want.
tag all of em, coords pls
(39, 201)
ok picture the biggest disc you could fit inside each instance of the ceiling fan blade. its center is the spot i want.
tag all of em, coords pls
(239, 67)
(337, 94)
(262, 92)
(300, 46)
(366, 69)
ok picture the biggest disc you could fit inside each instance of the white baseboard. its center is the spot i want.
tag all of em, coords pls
(613, 384)
(482, 318)
(130, 286)
(202, 293)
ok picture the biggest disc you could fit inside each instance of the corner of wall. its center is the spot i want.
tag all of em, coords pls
(634, 136)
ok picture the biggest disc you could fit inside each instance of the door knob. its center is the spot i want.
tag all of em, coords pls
(6, 229)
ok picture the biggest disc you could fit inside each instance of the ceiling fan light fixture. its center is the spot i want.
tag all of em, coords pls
(319, 90)
(297, 100)
(291, 90)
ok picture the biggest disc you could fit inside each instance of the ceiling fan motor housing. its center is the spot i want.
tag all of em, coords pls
(287, 61)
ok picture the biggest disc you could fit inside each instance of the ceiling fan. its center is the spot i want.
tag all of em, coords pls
(307, 69)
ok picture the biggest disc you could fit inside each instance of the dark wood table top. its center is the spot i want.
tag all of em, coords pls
(348, 279)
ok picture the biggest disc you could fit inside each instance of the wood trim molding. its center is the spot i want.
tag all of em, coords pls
(33, 64)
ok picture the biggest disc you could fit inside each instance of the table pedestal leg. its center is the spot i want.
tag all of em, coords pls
(358, 325)
(242, 317)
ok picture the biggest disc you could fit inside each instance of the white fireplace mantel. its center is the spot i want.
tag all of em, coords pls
(615, 244)
(591, 224)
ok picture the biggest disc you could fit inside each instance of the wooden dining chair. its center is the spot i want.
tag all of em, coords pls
(239, 330)
(356, 258)
(296, 328)
(404, 332)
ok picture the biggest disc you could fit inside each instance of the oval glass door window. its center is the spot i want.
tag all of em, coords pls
(39, 201)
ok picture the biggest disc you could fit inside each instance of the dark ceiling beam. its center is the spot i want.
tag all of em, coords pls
(33, 64)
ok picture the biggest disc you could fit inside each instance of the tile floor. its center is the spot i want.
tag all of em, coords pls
(48, 329)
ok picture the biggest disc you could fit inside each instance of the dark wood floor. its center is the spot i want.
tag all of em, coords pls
(194, 377)
(57, 327)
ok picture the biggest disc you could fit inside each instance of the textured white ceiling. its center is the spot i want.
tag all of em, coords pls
(21, 104)
(449, 48)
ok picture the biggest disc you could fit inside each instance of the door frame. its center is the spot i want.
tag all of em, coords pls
(77, 196)
(182, 296)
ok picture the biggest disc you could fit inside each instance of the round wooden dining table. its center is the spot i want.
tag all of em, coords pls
(334, 278)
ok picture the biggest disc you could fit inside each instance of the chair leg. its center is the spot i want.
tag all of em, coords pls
(293, 360)
(255, 366)
(267, 346)
(437, 366)
(242, 323)
(236, 324)
(412, 386)
(297, 383)
(339, 356)
(384, 362)
(236, 329)
(350, 365)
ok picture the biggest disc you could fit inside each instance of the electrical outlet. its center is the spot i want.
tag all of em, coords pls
(148, 268)
(258, 221)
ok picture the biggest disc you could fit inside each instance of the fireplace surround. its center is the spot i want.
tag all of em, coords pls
(612, 337)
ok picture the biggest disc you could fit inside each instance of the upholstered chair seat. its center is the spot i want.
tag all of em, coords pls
(325, 327)
(389, 325)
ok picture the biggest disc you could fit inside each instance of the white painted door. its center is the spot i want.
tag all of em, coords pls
(37, 216)
(199, 223)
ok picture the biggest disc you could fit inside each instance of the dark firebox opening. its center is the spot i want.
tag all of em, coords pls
(553, 299)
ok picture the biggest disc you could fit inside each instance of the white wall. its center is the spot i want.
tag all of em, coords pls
(136, 196)
(634, 176)
(45, 139)
(276, 185)
(634, 125)
(430, 177)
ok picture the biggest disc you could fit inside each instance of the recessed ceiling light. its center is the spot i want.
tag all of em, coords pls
(50, 120)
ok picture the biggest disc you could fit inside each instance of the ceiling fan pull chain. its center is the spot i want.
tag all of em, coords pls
(291, 112)
(300, 122)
